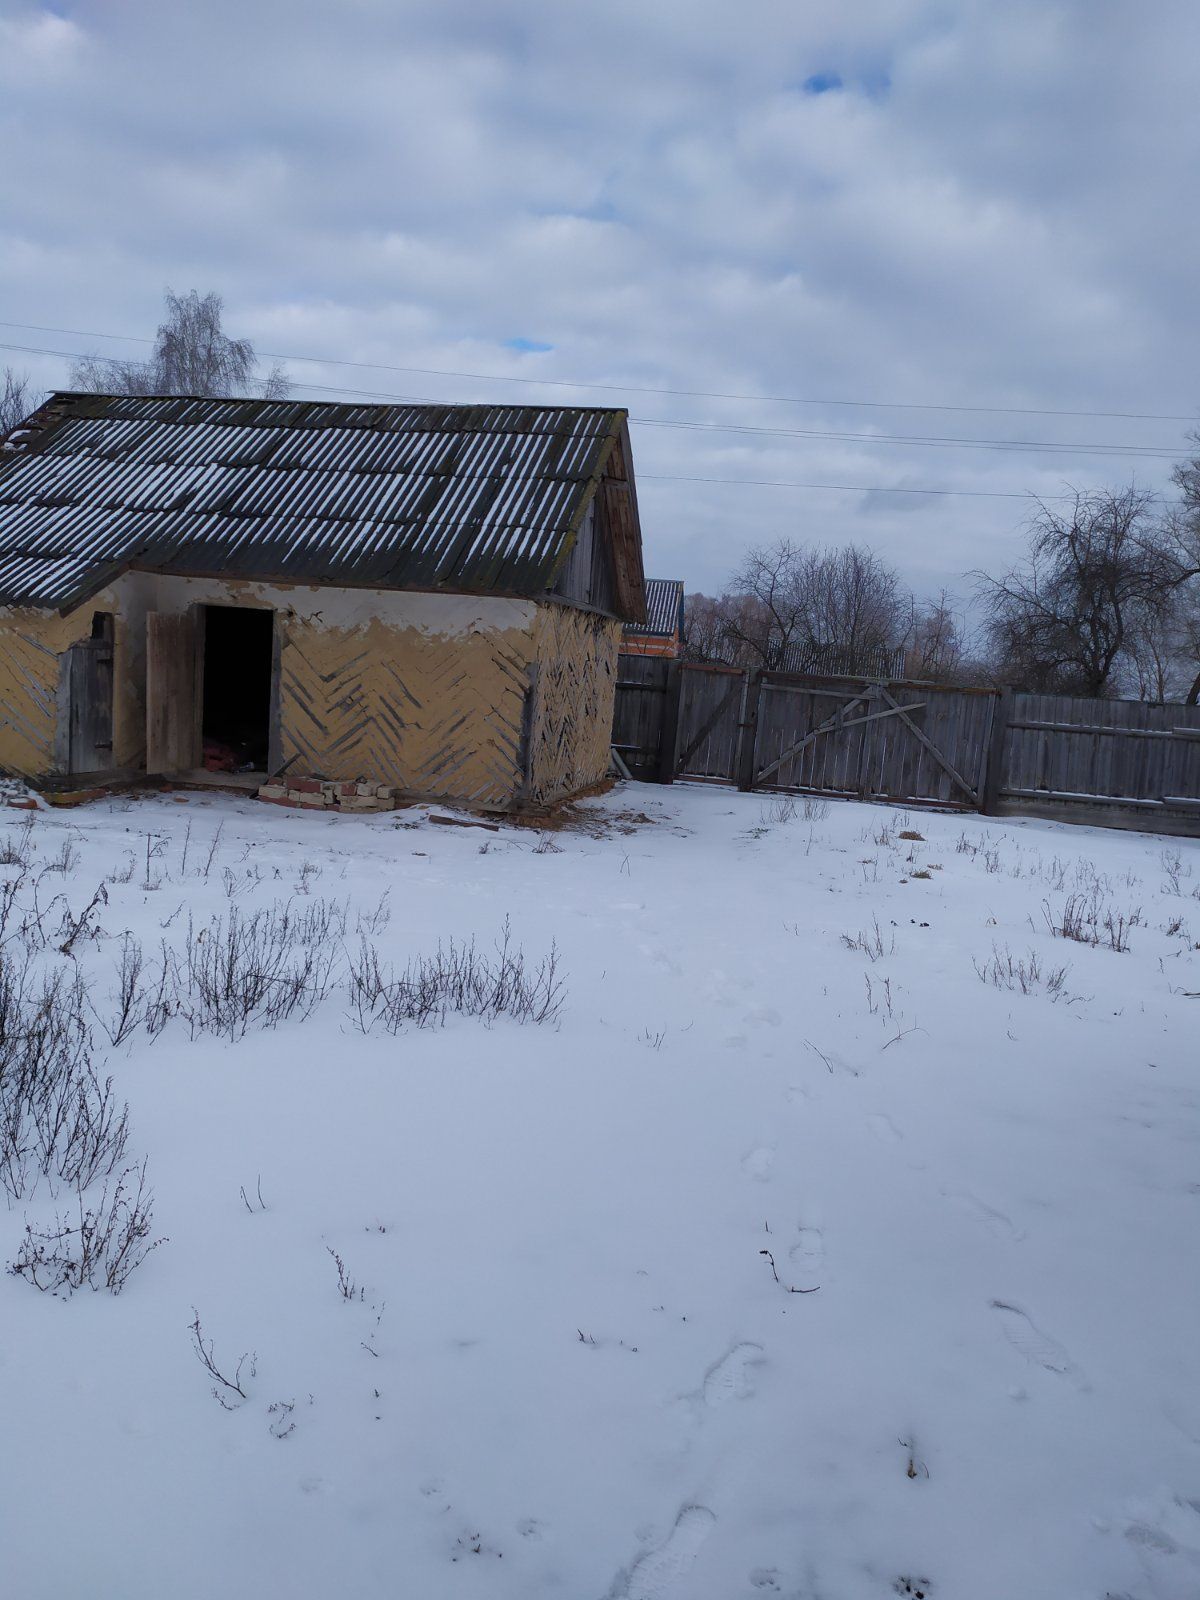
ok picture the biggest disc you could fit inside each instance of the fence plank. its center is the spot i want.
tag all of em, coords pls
(1092, 759)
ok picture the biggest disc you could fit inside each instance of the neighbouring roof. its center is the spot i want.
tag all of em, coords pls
(475, 498)
(664, 610)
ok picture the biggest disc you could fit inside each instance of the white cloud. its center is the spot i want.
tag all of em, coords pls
(994, 209)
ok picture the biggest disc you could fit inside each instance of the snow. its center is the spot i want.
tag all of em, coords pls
(571, 1371)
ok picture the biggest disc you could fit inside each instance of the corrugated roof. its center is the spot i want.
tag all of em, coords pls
(834, 660)
(477, 498)
(664, 597)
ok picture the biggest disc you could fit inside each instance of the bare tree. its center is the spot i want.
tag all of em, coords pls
(1065, 619)
(937, 650)
(1152, 656)
(1189, 646)
(769, 579)
(704, 628)
(857, 604)
(716, 629)
(16, 400)
(192, 355)
(843, 600)
(1163, 656)
(1182, 527)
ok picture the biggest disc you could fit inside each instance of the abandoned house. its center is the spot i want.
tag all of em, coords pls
(661, 634)
(358, 601)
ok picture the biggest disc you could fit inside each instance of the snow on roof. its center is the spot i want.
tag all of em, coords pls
(422, 496)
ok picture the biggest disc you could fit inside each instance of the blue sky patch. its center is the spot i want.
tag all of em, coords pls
(823, 83)
(528, 347)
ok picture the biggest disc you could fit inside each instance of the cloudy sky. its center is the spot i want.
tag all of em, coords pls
(827, 254)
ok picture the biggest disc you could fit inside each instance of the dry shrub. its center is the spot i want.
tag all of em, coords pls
(101, 1249)
(458, 978)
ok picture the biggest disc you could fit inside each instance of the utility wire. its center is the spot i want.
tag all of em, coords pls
(853, 488)
(630, 388)
(1049, 447)
(668, 477)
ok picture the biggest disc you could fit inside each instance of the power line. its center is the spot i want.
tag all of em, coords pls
(1037, 446)
(1051, 447)
(852, 488)
(1117, 451)
(667, 477)
(630, 388)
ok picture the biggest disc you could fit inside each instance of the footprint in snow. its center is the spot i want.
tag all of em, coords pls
(807, 1256)
(997, 1222)
(1165, 1535)
(1029, 1341)
(884, 1128)
(659, 1573)
(729, 1378)
(758, 1163)
(1185, 1416)
(767, 1578)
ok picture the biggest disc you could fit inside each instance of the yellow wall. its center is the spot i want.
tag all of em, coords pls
(434, 715)
(576, 653)
(32, 645)
(425, 692)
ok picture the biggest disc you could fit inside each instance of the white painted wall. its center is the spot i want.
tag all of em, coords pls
(436, 615)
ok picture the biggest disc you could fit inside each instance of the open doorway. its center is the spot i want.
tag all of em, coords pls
(236, 705)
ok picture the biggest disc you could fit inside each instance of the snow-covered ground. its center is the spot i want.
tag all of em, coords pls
(571, 1370)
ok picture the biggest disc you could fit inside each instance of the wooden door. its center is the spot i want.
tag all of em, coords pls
(173, 680)
(90, 701)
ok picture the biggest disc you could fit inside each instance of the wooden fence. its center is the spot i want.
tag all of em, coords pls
(1115, 762)
(1059, 754)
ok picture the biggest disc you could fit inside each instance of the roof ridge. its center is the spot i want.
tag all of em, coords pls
(332, 405)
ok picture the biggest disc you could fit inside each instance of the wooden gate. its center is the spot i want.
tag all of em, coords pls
(712, 708)
(639, 714)
(874, 741)
(843, 736)
(678, 719)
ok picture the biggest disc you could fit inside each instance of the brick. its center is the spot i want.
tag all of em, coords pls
(344, 789)
(273, 791)
(74, 797)
(304, 785)
(310, 802)
(363, 802)
(26, 804)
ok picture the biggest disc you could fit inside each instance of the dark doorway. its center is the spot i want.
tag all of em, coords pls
(236, 718)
